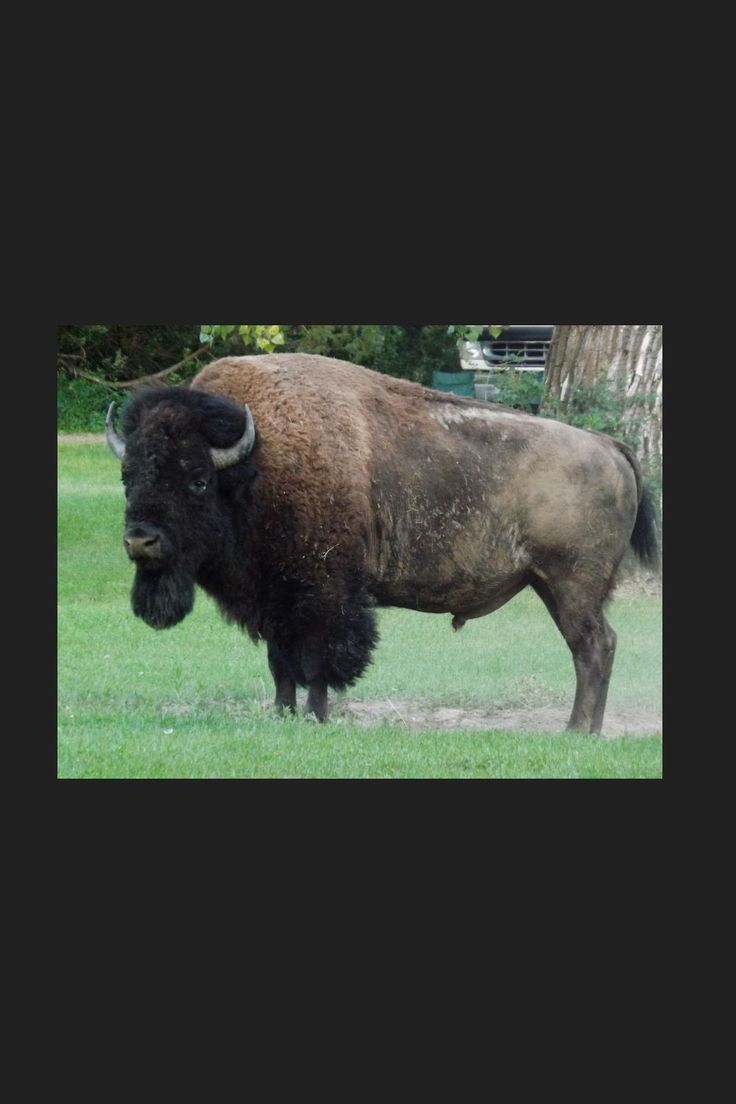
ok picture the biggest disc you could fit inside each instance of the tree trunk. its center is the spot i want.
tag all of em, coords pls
(628, 357)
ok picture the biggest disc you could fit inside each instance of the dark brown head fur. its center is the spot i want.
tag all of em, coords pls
(175, 496)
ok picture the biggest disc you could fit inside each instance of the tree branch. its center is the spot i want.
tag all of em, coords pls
(141, 379)
(158, 375)
(66, 358)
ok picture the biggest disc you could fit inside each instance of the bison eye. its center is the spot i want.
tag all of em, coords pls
(198, 486)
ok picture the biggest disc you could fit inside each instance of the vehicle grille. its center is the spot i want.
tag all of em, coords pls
(518, 354)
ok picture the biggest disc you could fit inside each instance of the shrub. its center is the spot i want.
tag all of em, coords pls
(521, 390)
(359, 344)
(123, 352)
(81, 405)
(409, 352)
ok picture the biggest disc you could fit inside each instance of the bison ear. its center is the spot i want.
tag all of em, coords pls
(223, 421)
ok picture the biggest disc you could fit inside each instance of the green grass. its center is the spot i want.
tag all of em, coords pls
(191, 702)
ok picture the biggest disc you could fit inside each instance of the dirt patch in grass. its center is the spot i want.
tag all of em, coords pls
(418, 715)
(636, 581)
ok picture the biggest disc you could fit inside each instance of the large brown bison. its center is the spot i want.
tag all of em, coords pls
(301, 492)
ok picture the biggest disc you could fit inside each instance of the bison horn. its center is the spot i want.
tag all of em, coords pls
(114, 440)
(225, 457)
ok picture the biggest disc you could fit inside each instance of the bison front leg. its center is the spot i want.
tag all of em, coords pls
(313, 664)
(317, 700)
(285, 684)
(335, 648)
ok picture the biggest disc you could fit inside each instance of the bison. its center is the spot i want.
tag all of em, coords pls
(301, 492)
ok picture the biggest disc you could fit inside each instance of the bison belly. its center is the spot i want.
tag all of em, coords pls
(458, 561)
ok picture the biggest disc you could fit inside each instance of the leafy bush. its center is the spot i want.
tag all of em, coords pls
(409, 352)
(415, 352)
(522, 390)
(119, 353)
(601, 406)
(359, 344)
(265, 338)
(81, 405)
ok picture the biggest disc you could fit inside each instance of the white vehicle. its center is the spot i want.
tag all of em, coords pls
(523, 348)
(517, 349)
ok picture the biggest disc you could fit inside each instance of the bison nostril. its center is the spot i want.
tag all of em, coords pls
(140, 545)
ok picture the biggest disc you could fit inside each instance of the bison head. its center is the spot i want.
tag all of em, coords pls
(180, 451)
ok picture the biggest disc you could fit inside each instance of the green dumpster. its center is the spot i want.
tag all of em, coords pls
(458, 383)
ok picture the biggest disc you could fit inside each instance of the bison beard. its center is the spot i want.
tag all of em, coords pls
(162, 598)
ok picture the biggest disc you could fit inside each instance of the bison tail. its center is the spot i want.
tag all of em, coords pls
(644, 539)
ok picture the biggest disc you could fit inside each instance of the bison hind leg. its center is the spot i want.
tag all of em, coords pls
(576, 606)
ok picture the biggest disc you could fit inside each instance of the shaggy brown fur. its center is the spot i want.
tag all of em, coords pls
(363, 489)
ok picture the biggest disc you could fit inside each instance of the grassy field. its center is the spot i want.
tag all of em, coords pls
(194, 701)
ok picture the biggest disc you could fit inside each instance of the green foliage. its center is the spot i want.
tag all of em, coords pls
(472, 333)
(416, 352)
(265, 338)
(359, 344)
(521, 390)
(409, 352)
(118, 353)
(600, 406)
(81, 405)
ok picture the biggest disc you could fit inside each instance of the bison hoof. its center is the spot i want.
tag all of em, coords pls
(313, 715)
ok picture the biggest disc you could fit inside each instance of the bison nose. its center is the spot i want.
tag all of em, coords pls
(142, 544)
